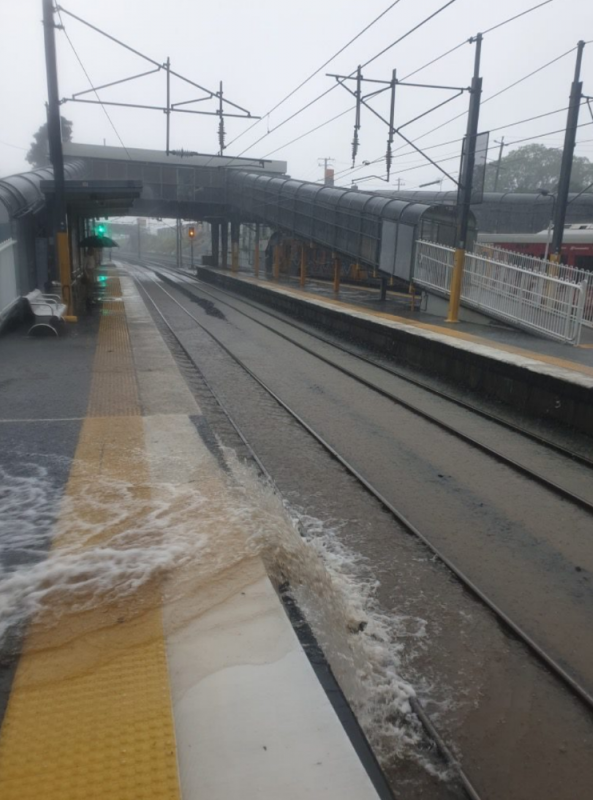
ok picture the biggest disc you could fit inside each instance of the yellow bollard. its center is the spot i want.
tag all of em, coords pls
(303, 265)
(456, 281)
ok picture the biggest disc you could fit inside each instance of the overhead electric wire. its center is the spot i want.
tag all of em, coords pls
(491, 97)
(460, 139)
(92, 86)
(455, 156)
(335, 85)
(465, 41)
(307, 133)
(317, 71)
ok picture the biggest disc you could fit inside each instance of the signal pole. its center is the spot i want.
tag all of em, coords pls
(54, 133)
(464, 193)
(572, 121)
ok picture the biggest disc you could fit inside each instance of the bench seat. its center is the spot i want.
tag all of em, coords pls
(48, 309)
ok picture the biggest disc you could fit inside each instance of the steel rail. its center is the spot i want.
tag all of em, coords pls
(552, 486)
(415, 704)
(557, 448)
(578, 690)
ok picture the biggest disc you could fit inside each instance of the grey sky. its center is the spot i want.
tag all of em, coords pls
(263, 49)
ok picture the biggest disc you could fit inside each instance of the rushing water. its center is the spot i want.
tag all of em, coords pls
(60, 558)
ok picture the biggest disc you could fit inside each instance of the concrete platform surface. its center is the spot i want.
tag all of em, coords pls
(145, 650)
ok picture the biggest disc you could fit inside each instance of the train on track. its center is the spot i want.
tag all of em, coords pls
(577, 246)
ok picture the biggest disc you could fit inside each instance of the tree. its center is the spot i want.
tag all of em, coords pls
(38, 155)
(535, 166)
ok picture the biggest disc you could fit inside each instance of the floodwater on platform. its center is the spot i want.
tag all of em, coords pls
(121, 549)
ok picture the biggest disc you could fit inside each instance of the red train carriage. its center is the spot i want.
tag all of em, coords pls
(577, 247)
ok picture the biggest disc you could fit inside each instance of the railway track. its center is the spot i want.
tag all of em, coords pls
(561, 491)
(530, 643)
(413, 381)
(415, 704)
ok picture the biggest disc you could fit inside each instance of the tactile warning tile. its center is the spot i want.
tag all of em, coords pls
(89, 715)
(114, 390)
(106, 733)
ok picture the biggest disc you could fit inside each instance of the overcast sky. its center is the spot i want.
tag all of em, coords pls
(264, 48)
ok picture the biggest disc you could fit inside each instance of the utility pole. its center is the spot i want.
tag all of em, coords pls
(400, 183)
(54, 132)
(572, 122)
(464, 193)
(496, 175)
(328, 178)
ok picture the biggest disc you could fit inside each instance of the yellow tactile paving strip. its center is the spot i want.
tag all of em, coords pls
(89, 714)
(442, 330)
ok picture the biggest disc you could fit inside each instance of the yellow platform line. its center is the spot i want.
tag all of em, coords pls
(441, 330)
(89, 715)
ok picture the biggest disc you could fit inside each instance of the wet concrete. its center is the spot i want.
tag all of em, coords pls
(519, 733)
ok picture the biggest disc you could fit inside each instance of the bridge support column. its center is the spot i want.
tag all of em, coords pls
(337, 271)
(256, 251)
(215, 241)
(303, 265)
(235, 239)
(383, 290)
(276, 271)
(224, 231)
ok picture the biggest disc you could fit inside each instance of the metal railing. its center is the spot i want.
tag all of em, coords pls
(8, 276)
(562, 272)
(524, 298)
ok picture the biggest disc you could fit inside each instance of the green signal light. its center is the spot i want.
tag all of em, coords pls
(101, 230)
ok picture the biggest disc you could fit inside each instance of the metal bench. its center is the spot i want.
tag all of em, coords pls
(47, 308)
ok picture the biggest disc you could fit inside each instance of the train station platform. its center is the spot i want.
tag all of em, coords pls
(144, 650)
(548, 379)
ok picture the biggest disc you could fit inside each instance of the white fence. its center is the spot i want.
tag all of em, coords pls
(8, 277)
(561, 271)
(524, 298)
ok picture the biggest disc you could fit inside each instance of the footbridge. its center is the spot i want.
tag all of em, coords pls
(395, 237)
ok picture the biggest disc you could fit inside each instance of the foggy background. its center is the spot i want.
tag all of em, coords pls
(263, 49)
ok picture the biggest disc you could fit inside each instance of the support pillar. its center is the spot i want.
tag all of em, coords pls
(337, 271)
(303, 276)
(215, 242)
(224, 237)
(235, 239)
(276, 271)
(383, 290)
(256, 251)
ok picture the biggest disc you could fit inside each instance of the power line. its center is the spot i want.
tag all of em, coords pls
(491, 97)
(460, 139)
(335, 85)
(317, 71)
(465, 41)
(91, 85)
(15, 146)
(307, 133)
(356, 169)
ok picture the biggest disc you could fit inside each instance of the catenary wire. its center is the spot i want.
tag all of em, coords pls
(335, 85)
(92, 86)
(317, 71)
(465, 41)
(491, 97)
(312, 130)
